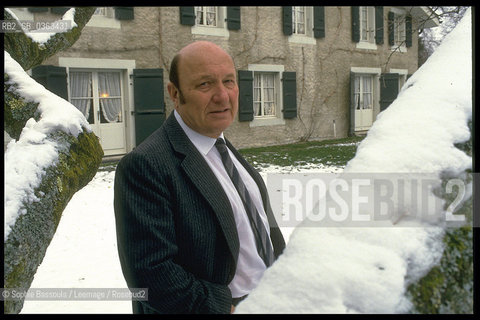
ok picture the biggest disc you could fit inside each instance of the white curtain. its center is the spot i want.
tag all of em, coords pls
(211, 16)
(367, 92)
(81, 91)
(109, 92)
(257, 97)
(301, 20)
(269, 94)
(198, 15)
(357, 92)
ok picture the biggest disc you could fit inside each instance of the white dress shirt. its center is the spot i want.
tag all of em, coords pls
(250, 266)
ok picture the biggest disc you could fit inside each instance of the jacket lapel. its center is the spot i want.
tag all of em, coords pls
(205, 181)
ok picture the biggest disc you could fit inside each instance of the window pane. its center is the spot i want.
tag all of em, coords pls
(109, 84)
(257, 110)
(85, 106)
(81, 93)
(100, 11)
(80, 84)
(111, 110)
(299, 20)
(199, 15)
(367, 92)
(211, 16)
(109, 93)
(363, 23)
(269, 109)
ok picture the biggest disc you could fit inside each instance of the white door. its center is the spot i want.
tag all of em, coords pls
(363, 102)
(98, 95)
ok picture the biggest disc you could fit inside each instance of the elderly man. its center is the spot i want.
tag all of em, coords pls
(194, 222)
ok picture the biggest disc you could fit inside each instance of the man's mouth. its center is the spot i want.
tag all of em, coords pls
(220, 111)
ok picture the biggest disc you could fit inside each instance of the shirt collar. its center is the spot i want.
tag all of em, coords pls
(203, 143)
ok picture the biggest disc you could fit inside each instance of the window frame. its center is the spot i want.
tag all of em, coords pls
(262, 88)
(105, 21)
(369, 29)
(376, 73)
(308, 36)
(96, 97)
(220, 30)
(399, 14)
(123, 65)
(362, 92)
(277, 70)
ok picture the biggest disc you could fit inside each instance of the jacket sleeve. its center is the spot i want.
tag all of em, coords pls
(147, 246)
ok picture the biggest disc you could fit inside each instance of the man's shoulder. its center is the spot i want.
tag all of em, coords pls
(153, 150)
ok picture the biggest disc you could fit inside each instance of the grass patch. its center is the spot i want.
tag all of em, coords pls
(328, 152)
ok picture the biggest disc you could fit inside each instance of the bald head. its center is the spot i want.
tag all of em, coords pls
(197, 49)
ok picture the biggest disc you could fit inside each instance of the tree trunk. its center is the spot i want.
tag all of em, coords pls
(78, 160)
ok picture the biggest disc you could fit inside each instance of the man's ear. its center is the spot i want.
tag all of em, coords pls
(174, 93)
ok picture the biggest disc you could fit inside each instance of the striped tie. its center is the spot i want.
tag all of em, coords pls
(262, 240)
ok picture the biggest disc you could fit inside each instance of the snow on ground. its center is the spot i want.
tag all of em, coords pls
(83, 252)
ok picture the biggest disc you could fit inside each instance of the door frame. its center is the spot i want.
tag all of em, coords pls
(127, 67)
(375, 72)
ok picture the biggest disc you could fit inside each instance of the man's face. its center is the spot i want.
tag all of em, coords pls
(207, 80)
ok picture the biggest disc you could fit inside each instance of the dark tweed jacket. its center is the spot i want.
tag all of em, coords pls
(176, 231)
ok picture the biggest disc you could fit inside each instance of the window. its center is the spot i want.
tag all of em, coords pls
(98, 95)
(264, 95)
(367, 24)
(302, 25)
(206, 16)
(299, 20)
(101, 11)
(210, 21)
(399, 30)
(104, 17)
(267, 95)
(363, 94)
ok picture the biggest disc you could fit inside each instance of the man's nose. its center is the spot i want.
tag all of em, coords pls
(221, 94)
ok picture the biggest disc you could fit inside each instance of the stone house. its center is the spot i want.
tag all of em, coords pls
(304, 73)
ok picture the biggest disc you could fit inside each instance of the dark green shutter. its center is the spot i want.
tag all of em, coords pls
(287, 21)
(187, 16)
(52, 78)
(38, 9)
(124, 13)
(289, 83)
(245, 99)
(379, 25)
(149, 102)
(59, 10)
(356, 24)
(233, 18)
(319, 22)
(388, 89)
(351, 130)
(391, 28)
(408, 31)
